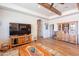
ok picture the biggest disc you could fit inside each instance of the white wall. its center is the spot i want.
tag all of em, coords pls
(8, 16)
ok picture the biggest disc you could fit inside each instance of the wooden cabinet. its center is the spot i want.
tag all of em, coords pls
(29, 37)
(19, 40)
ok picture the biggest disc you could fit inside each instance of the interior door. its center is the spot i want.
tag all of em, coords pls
(39, 29)
(51, 30)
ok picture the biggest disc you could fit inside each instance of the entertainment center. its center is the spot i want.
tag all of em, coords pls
(19, 34)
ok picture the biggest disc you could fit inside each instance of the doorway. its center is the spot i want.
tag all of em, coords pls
(51, 30)
(39, 29)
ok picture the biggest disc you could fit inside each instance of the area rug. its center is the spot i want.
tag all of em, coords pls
(29, 50)
(38, 50)
(53, 52)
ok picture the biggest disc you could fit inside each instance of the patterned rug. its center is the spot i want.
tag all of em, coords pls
(53, 52)
(38, 50)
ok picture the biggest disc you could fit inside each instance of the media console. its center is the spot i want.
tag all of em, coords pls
(19, 34)
(19, 40)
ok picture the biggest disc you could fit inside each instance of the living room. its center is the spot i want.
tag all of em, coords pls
(29, 29)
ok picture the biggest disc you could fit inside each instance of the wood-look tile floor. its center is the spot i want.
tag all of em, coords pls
(64, 47)
(67, 49)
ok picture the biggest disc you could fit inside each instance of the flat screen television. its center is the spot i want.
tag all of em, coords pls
(19, 29)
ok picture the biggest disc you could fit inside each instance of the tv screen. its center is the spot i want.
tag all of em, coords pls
(20, 29)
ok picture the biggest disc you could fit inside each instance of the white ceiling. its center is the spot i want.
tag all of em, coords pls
(61, 7)
(65, 7)
(36, 9)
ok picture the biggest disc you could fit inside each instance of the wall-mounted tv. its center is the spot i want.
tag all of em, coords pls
(19, 29)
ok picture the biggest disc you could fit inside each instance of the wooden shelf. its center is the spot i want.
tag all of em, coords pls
(20, 40)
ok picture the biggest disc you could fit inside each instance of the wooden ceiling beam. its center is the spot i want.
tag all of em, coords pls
(47, 6)
(51, 5)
